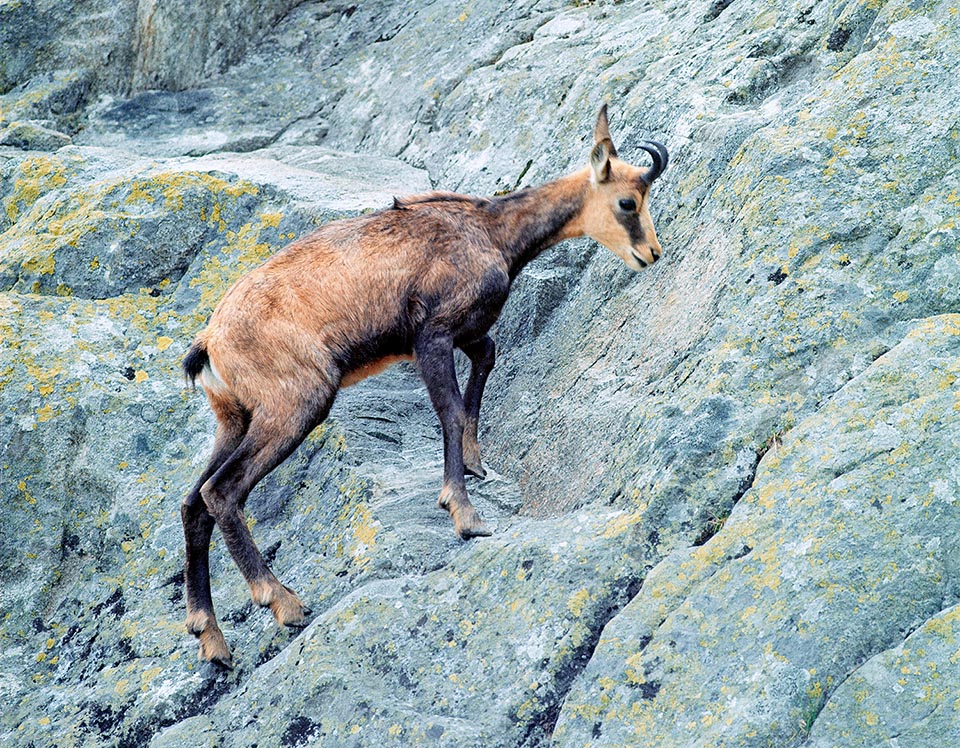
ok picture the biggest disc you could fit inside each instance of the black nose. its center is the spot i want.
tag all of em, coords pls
(656, 255)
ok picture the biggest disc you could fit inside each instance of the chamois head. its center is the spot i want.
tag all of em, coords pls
(615, 213)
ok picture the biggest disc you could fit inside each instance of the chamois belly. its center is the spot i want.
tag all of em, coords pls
(371, 368)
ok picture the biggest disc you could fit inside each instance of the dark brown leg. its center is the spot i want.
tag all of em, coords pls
(482, 356)
(435, 361)
(197, 528)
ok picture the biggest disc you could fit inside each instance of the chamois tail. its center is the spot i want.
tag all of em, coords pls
(194, 361)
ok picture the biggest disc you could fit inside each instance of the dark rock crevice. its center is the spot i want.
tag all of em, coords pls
(539, 730)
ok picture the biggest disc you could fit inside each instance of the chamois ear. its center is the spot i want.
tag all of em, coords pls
(601, 131)
(600, 162)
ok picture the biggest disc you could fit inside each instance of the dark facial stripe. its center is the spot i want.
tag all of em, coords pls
(631, 223)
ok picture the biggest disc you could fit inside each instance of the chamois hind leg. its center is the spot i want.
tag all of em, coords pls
(197, 528)
(482, 356)
(269, 440)
(435, 361)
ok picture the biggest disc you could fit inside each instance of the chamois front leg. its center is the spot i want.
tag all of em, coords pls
(435, 362)
(482, 356)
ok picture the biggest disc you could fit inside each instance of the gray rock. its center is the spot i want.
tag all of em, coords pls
(143, 224)
(57, 99)
(32, 136)
(744, 637)
(724, 490)
(905, 694)
(94, 38)
(129, 45)
(498, 665)
(178, 45)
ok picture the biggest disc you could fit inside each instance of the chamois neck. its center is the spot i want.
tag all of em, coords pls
(529, 221)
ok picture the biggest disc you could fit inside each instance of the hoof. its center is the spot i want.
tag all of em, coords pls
(475, 469)
(466, 521)
(479, 530)
(214, 649)
(468, 524)
(288, 609)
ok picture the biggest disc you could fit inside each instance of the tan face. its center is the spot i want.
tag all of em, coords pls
(616, 215)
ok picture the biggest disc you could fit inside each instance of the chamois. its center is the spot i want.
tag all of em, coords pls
(410, 282)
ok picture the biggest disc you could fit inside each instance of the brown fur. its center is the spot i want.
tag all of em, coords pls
(408, 283)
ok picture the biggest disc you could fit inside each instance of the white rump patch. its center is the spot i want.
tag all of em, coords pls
(210, 378)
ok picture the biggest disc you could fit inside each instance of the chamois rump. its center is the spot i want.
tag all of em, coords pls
(410, 282)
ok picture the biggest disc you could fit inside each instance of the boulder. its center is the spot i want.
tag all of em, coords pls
(32, 135)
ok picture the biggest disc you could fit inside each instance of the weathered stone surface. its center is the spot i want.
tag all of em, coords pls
(725, 490)
(907, 694)
(97, 224)
(842, 547)
(131, 44)
(56, 98)
(39, 37)
(498, 665)
(179, 44)
(32, 136)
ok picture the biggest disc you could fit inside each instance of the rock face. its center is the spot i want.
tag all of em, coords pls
(725, 491)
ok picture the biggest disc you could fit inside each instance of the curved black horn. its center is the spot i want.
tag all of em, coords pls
(660, 158)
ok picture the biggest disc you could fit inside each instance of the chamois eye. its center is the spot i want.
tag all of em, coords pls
(628, 205)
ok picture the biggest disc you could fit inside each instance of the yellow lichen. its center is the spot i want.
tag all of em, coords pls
(577, 601)
(271, 219)
(46, 413)
(147, 676)
(139, 191)
(634, 669)
(621, 523)
(41, 265)
(37, 176)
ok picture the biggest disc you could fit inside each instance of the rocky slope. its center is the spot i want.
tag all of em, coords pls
(726, 491)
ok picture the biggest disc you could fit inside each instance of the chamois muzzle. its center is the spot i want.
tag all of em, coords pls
(660, 157)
